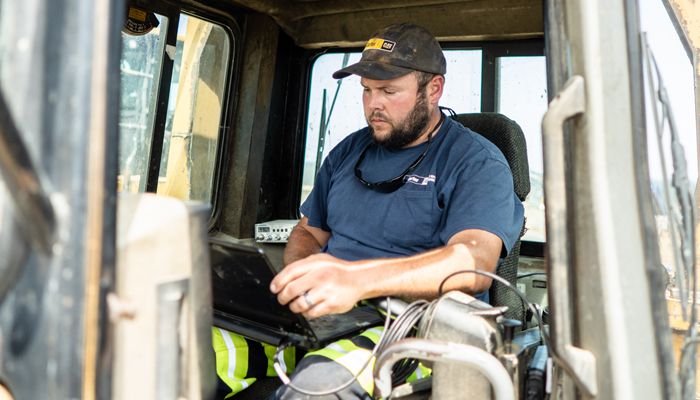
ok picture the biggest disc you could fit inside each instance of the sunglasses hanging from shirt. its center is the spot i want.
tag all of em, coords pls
(391, 185)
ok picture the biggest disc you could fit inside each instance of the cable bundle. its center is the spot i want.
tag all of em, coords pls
(400, 329)
(285, 379)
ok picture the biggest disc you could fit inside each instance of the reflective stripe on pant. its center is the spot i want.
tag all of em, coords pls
(241, 361)
(333, 366)
(336, 364)
(353, 354)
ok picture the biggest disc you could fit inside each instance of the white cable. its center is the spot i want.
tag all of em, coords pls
(285, 379)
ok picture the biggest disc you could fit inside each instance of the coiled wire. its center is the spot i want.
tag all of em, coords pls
(402, 326)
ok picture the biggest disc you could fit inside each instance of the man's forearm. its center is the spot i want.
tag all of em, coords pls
(335, 285)
(420, 276)
(301, 244)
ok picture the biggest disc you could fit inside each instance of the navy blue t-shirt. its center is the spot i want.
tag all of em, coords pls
(464, 182)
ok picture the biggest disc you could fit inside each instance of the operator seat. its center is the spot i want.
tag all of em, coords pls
(507, 135)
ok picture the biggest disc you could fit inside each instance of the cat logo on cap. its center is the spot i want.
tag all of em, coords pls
(139, 22)
(380, 44)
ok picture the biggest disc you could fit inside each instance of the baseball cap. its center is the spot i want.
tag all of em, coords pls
(396, 51)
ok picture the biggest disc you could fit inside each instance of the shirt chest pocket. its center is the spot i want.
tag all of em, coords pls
(411, 218)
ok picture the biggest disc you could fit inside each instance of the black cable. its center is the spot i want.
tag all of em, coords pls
(543, 334)
(529, 274)
(563, 363)
(525, 304)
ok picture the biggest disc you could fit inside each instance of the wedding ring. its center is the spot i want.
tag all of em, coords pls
(308, 301)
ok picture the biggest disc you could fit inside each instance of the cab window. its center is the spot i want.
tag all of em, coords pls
(672, 152)
(141, 66)
(676, 75)
(521, 95)
(183, 86)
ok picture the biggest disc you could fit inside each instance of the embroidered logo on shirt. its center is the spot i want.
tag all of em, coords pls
(419, 180)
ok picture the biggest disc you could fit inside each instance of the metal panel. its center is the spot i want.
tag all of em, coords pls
(57, 67)
(248, 143)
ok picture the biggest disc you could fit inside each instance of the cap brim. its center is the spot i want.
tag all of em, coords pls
(372, 70)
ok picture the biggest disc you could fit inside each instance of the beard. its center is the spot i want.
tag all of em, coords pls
(406, 131)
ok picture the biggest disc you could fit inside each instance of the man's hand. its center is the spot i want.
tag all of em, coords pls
(318, 285)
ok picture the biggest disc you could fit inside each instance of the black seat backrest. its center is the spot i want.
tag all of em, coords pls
(507, 135)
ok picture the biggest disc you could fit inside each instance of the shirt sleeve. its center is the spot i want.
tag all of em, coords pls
(315, 207)
(483, 198)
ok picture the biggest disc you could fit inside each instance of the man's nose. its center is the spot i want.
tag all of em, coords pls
(374, 102)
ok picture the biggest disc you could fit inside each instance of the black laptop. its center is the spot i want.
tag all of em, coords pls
(243, 302)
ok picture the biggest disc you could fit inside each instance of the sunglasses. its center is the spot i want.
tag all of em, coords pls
(391, 185)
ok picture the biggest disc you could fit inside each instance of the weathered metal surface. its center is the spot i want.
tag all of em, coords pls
(344, 23)
(250, 131)
(64, 99)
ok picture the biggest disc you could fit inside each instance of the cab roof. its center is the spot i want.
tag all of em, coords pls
(342, 23)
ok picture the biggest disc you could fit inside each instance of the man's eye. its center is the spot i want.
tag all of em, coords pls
(389, 91)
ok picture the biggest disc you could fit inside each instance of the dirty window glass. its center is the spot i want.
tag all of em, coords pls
(337, 104)
(194, 110)
(141, 61)
(521, 95)
(676, 75)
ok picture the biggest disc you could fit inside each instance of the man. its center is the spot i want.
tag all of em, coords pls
(397, 206)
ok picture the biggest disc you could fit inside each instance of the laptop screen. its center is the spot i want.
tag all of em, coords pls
(241, 277)
(243, 302)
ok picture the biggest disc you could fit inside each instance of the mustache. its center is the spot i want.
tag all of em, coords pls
(378, 115)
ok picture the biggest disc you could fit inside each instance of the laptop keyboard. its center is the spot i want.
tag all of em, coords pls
(355, 320)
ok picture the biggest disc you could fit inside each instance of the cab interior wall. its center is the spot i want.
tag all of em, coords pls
(284, 148)
(261, 162)
(324, 23)
(248, 136)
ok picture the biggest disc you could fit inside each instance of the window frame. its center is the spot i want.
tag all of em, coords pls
(228, 105)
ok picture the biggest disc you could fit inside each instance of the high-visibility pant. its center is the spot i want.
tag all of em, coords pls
(241, 361)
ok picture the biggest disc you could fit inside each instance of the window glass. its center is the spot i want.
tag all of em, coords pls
(676, 76)
(462, 91)
(141, 61)
(194, 109)
(521, 95)
(337, 104)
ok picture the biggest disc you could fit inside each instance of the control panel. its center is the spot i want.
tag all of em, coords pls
(276, 231)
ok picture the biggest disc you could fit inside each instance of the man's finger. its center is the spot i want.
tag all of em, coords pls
(290, 273)
(302, 304)
(296, 288)
(318, 310)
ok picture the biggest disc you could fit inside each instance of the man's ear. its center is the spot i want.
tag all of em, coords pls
(435, 88)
